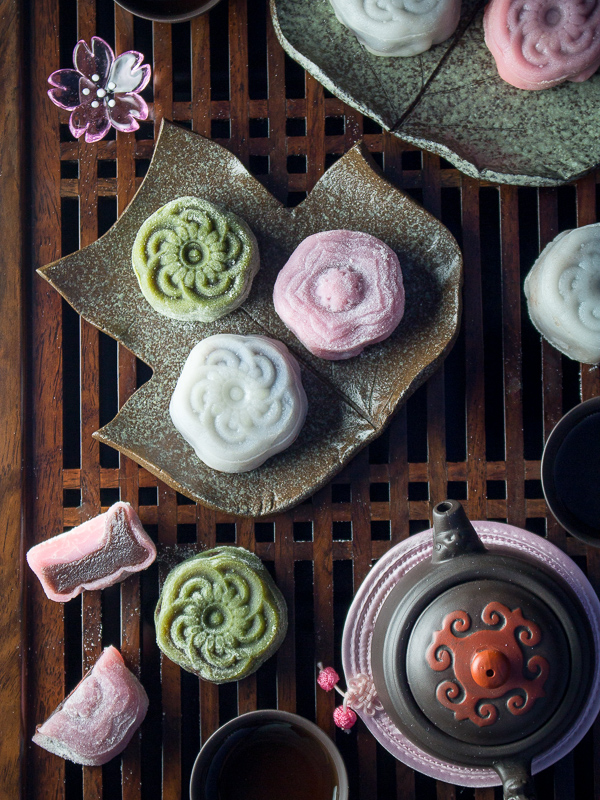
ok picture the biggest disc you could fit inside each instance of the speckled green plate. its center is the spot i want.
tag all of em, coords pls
(450, 100)
(350, 402)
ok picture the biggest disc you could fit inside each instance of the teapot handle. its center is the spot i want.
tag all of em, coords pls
(453, 534)
(517, 782)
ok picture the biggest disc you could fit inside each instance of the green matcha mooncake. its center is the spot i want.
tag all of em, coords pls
(220, 615)
(193, 261)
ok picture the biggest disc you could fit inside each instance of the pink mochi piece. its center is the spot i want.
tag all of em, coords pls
(102, 551)
(539, 43)
(97, 720)
(339, 292)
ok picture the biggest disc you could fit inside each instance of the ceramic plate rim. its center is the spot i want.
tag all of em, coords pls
(460, 162)
(439, 337)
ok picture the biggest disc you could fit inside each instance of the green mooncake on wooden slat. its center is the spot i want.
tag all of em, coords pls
(220, 615)
(193, 261)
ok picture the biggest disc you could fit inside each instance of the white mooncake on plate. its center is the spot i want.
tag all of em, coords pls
(399, 27)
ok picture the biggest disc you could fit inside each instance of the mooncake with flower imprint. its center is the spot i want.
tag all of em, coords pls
(220, 615)
(539, 43)
(239, 400)
(194, 261)
(339, 292)
(563, 293)
(398, 27)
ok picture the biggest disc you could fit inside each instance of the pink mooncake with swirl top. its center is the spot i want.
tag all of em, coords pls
(540, 43)
(339, 292)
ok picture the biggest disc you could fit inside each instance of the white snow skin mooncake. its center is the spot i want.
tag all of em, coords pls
(399, 27)
(239, 400)
(563, 293)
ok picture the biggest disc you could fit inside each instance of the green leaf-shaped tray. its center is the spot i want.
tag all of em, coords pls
(350, 402)
(451, 100)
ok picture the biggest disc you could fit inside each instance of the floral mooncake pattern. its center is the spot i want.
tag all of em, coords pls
(399, 27)
(194, 262)
(563, 293)
(539, 43)
(238, 401)
(339, 292)
(220, 615)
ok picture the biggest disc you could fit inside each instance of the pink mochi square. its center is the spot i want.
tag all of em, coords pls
(102, 551)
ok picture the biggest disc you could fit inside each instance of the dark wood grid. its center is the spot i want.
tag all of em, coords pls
(475, 432)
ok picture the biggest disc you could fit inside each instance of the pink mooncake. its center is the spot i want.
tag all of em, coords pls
(102, 551)
(540, 43)
(339, 292)
(97, 720)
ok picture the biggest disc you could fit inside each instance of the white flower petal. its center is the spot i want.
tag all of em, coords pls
(127, 74)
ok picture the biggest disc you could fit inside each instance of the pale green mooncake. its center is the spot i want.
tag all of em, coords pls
(220, 615)
(193, 261)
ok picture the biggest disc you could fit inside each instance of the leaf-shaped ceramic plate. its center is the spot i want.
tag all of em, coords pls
(350, 402)
(450, 100)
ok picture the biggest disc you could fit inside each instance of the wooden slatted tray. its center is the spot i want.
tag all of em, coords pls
(475, 432)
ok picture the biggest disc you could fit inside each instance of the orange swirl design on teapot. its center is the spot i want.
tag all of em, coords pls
(488, 664)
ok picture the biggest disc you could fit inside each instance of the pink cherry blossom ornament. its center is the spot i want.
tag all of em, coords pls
(339, 292)
(102, 91)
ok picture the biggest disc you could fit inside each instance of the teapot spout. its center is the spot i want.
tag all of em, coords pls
(517, 782)
(453, 534)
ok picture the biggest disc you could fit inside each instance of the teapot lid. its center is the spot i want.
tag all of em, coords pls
(488, 662)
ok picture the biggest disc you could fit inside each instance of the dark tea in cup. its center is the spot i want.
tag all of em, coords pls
(269, 755)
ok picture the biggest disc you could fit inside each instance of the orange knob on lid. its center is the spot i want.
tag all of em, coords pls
(490, 668)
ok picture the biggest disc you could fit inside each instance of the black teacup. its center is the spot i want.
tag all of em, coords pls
(167, 10)
(571, 471)
(269, 755)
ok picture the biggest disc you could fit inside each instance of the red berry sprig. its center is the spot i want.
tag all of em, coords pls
(343, 716)
(327, 678)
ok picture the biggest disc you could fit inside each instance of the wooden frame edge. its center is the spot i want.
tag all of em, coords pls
(12, 354)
